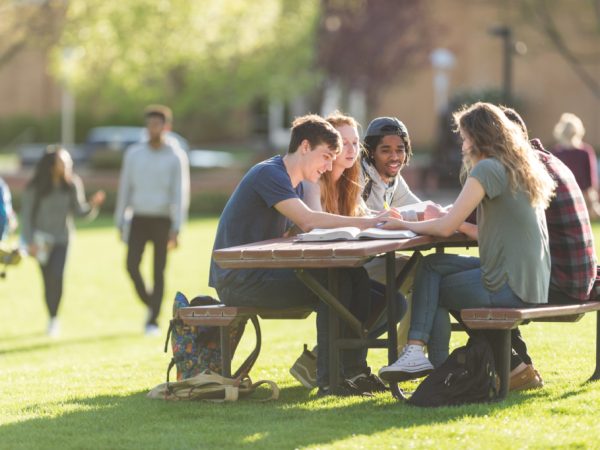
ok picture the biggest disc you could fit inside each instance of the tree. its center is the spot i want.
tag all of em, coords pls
(578, 18)
(369, 44)
(203, 58)
(28, 23)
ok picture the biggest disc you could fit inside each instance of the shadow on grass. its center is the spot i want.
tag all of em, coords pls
(46, 342)
(297, 419)
(582, 388)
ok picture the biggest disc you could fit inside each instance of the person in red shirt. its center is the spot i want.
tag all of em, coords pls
(579, 157)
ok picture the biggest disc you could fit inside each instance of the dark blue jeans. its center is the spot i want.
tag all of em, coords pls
(52, 274)
(280, 288)
(378, 302)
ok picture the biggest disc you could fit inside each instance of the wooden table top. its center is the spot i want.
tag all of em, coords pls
(291, 253)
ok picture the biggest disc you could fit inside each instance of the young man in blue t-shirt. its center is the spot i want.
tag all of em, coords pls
(266, 201)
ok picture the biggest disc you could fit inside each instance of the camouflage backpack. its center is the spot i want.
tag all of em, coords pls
(197, 348)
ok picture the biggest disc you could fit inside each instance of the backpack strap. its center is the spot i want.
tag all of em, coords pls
(171, 364)
(172, 324)
(247, 365)
(272, 386)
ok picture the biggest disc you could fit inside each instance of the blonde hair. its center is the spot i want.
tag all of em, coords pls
(569, 130)
(342, 197)
(494, 136)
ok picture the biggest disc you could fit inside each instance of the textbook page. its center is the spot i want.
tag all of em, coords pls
(353, 233)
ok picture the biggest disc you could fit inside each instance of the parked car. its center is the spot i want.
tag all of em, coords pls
(105, 146)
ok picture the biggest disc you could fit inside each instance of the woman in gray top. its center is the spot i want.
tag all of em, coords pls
(510, 189)
(53, 196)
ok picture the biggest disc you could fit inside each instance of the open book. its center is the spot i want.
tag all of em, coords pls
(353, 233)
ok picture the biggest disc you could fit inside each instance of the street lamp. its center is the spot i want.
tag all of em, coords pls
(442, 61)
(505, 33)
(67, 111)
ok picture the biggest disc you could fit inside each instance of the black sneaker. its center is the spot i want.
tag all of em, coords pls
(369, 382)
(345, 389)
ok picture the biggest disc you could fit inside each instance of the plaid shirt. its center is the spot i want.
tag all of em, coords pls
(571, 241)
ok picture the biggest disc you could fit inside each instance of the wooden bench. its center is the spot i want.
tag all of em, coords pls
(222, 316)
(501, 320)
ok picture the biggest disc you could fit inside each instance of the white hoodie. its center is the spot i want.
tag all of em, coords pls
(377, 192)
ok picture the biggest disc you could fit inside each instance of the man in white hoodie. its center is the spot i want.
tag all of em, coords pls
(388, 150)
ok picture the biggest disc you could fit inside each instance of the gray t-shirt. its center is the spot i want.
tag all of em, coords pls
(513, 236)
(53, 213)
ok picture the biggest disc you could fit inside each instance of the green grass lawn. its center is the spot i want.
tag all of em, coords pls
(86, 389)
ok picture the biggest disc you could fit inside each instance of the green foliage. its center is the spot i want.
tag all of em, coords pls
(202, 58)
(87, 388)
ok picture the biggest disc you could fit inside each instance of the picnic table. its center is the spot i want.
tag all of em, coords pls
(333, 256)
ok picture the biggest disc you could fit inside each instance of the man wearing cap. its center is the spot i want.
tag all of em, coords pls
(388, 150)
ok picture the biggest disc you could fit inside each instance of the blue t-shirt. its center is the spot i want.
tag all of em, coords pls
(250, 216)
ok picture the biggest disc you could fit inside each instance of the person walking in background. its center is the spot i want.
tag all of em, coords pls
(52, 197)
(152, 204)
(579, 157)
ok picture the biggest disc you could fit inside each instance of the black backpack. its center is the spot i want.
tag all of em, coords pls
(467, 376)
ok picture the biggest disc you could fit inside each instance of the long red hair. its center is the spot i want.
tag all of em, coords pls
(342, 197)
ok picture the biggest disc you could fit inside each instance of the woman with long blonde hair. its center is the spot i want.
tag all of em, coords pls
(509, 188)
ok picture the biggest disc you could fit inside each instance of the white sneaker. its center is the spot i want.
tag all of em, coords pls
(412, 364)
(53, 329)
(151, 330)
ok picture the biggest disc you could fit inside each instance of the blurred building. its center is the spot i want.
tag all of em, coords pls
(544, 85)
(27, 87)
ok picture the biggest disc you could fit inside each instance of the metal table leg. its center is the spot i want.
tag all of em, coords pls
(225, 351)
(390, 297)
(334, 333)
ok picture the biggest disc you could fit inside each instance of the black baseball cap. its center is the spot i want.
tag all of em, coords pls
(385, 126)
